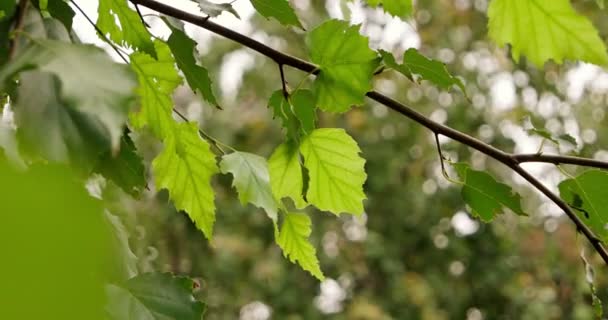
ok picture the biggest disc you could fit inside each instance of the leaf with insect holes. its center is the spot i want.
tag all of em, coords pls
(485, 195)
(346, 65)
(185, 167)
(251, 180)
(215, 9)
(286, 178)
(543, 30)
(131, 31)
(416, 66)
(278, 9)
(336, 171)
(587, 195)
(157, 81)
(183, 49)
(397, 8)
(293, 240)
(154, 296)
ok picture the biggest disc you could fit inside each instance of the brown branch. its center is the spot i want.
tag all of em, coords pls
(557, 160)
(20, 18)
(510, 160)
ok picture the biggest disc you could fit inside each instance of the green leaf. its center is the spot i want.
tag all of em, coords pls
(154, 296)
(587, 195)
(336, 171)
(157, 80)
(251, 180)
(59, 10)
(601, 3)
(286, 179)
(297, 115)
(545, 134)
(485, 195)
(183, 49)
(416, 66)
(104, 99)
(185, 167)
(131, 32)
(346, 65)
(543, 30)
(293, 240)
(215, 9)
(125, 169)
(397, 8)
(278, 9)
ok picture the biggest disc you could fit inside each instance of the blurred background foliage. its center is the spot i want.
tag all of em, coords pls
(416, 253)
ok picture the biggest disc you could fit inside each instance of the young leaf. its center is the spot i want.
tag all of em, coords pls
(543, 30)
(215, 9)
(293, 240)
(157, 80)
(485, 195)
(131, 32)
(278, 9)
(416, 66)
(185, 167)
(346, 65)
(336, 171)
(397, 8)
(286, 179)
(587, 195)
(154, 296)
(251, 180)
(104, 98)
(197, 77)
(126, 169)
(297, 115)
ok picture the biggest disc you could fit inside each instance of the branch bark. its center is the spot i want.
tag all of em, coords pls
(510, 160)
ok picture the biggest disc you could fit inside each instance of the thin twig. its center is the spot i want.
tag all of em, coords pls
(557, 160)
(281, 58)
(283, 82)
(20, 14)
(141, 16)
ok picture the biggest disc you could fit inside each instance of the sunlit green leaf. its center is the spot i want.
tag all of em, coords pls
(154, 296)
(251, 180)
(286, 177)
(125, 169)
(131, 31)
(336, 171)
(587, 195)
(346, 65)
(485, 195)
(278, 9)
(397, 8)
(418, 67)
(185, 167)
(542, 30)
(157, 80)
(213, 9)
(293, 239)
(183, 49)
(95, 106)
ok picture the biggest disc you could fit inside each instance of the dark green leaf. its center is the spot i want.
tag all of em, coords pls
(278, 9)
(59, 10)
(485, 195)
(183, 49)
(125, 169)
(154, 296)
(587, 195)
(297, 115)
(416, 66)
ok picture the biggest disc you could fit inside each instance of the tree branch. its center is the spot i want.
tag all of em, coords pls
(557, 160)
(19, 19)
(510, 160)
